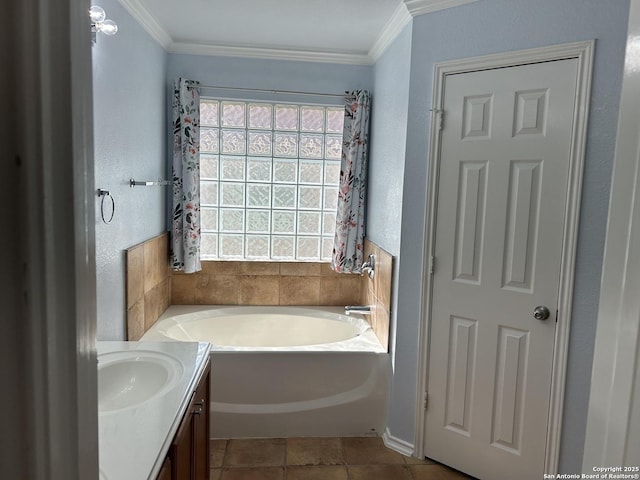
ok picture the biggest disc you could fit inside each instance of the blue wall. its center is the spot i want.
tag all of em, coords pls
(390, 104)
(269, 74)
(390, 107)
(130, 130)
(491, 26)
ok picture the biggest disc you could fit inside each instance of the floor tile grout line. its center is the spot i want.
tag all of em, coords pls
(286, 458)
(407, 467)
(224, 455)
(411, 475)
(344, 448)
(344, 455)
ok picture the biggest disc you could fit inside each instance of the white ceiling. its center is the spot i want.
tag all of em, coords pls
(349, 31)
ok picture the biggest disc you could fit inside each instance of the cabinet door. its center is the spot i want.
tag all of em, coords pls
(182, 449)
(165, 472)
(201, 426)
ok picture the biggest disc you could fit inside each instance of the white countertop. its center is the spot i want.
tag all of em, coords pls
(134, 442)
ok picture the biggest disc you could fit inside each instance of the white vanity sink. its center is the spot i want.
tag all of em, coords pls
(129, 378)
(144, 390)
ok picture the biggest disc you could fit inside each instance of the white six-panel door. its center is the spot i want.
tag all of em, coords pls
(503, 173)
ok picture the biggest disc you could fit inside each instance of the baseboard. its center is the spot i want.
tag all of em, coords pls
(405, 448)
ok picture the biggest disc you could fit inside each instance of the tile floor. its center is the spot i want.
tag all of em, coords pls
(346, 458)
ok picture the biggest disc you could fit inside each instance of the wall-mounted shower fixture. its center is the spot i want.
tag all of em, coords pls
(369, 266)
(100, 23)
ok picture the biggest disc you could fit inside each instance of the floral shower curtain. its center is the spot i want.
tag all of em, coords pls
(185, 229)
(348, 243)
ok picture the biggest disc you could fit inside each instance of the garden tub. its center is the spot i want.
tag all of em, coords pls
(286, 371)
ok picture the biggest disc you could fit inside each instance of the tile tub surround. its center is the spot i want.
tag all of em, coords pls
(265, 283)
(377, 291)
(148, 284)
(291, 284)
(319, 458)
(152, 286)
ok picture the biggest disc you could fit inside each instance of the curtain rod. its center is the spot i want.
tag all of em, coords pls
(260, 90)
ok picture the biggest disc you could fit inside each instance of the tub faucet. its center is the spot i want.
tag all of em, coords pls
(361, 309)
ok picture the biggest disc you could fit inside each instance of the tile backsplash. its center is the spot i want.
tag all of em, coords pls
(265, 283)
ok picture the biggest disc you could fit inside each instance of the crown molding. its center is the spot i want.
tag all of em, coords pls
(400, 18)
(269, 53)
(420, 7)
(148, 22)
(391, 30)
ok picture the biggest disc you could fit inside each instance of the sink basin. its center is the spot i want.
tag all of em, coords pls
(129, 378)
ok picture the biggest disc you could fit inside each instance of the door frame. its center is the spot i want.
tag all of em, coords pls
(51, 345)
(583, 52)
(611, 437)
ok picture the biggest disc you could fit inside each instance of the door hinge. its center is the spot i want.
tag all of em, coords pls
(432, 264)
(426, 400)
(439, 117)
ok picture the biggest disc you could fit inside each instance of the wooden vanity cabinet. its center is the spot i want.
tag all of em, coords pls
(200, 424)
(181, 451)
(189, 451)
(165, 472)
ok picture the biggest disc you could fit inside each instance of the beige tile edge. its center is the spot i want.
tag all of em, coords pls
(377, 292)
(161, 244)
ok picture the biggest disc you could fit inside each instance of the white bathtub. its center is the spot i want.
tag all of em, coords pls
(286, 371)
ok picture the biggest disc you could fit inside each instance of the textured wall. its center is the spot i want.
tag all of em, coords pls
(269, 74)
(388, 140)
(390, 107)
(488, 27)
(130, 131)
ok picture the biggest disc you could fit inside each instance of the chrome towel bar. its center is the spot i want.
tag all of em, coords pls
(158, 183)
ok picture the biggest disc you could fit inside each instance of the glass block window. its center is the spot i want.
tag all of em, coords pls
(269, 179)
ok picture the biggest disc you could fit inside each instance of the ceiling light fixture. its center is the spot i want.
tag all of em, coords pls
(100, 23)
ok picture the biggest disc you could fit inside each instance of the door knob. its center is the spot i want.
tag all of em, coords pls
(541, 312)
